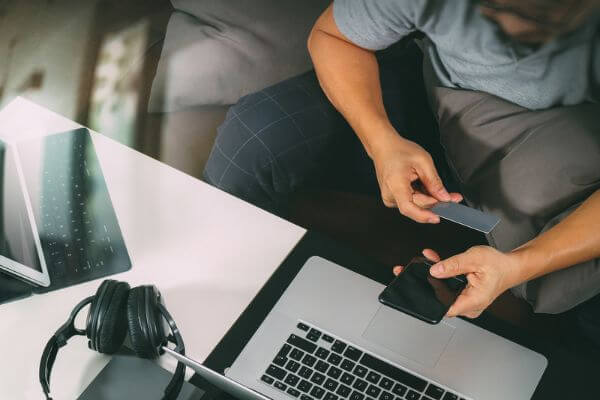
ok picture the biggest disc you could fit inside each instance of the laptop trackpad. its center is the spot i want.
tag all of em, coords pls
(408, 336)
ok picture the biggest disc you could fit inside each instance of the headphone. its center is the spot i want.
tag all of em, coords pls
(116, 310)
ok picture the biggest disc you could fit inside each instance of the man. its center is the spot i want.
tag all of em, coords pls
(516, 56)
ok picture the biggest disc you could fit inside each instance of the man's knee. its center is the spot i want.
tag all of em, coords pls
(239, 162)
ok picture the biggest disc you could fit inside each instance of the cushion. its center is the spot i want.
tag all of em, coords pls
(216, 51)
(531, 168)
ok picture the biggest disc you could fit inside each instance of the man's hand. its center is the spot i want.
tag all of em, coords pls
(489, 273)
(401, 165)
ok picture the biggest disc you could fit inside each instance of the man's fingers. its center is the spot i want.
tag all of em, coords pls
(423, 200)
(466, 304)
(431, 180)
(455, 265)
(456, 197)
(397, 269)
(431, 255)
(404, 201)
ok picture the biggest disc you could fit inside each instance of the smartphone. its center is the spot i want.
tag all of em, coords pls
(417, 293)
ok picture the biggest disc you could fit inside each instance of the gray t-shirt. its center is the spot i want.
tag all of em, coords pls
(465, 50)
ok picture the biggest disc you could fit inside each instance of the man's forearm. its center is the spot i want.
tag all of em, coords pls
(574, 240)
(349, 76)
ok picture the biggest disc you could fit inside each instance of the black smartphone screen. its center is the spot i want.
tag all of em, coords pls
(417, 293)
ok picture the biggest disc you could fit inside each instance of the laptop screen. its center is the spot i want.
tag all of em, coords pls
(17, 241)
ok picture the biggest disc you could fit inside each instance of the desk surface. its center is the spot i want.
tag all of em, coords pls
(208, 252)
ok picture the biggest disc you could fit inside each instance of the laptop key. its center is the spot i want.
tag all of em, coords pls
(309, 360)
(313, 335)
(360, 371)
(450, 396)
(359, 384)
(321, 366)
(353, 353)
(386, 383)
(280, 385)
(302, 343)
(347, 365)
(317, 392)
(434, 392)
(296, 354)
(280, 361)
(304, 386)
(386, 396)
(322, 353)
(293, 392)
(292, 366)
(330, 396)
(338, 346)
(347, 378)
(285, 350)
(373, 391)
(318, 378)
(357, 396)
(328, 339)
(343, 391)
(305, 397)
(373, 377)
(305, 372)
(392, 372)
(291, 380)
(399, 389)
(334, 359)
(267, 379)
(334, 372)
(412, 395)
(275, 372)
(330, 384)
(302, 327)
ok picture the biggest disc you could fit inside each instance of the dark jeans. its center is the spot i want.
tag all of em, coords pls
(289, 138)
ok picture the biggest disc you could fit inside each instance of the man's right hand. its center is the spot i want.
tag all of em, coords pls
(401, 165)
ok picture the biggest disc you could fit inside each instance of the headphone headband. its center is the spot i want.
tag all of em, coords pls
(58, 340)
(68, 330)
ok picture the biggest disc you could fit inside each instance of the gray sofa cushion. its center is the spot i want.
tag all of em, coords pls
(216, 51)
(531, 168)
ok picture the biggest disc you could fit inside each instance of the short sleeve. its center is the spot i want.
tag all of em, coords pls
(375, 24)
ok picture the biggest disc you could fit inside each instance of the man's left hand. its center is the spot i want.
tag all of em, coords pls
(489, 273)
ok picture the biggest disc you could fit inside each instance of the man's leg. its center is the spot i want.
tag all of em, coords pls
(288, 137)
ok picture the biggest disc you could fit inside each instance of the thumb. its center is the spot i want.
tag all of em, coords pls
(455, 265)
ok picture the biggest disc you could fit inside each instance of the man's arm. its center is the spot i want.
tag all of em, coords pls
(349, 76)
(574, 240)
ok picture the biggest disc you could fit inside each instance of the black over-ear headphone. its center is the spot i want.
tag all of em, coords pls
(116, 310)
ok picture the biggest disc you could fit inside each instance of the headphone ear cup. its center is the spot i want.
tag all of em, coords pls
(137, 323)
(113, 325)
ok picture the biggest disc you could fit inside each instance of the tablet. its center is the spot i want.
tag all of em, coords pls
(20, 246)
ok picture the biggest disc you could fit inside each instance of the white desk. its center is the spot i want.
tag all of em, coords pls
(208, 252)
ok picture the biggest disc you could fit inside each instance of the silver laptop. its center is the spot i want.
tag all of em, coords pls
(328, 338)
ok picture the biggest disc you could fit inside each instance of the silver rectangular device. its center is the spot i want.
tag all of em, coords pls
(328, 338)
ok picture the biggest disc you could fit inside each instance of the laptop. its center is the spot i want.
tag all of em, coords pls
(57, 223)
(328, 338)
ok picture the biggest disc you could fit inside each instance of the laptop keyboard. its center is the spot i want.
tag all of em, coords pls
(313, 365)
